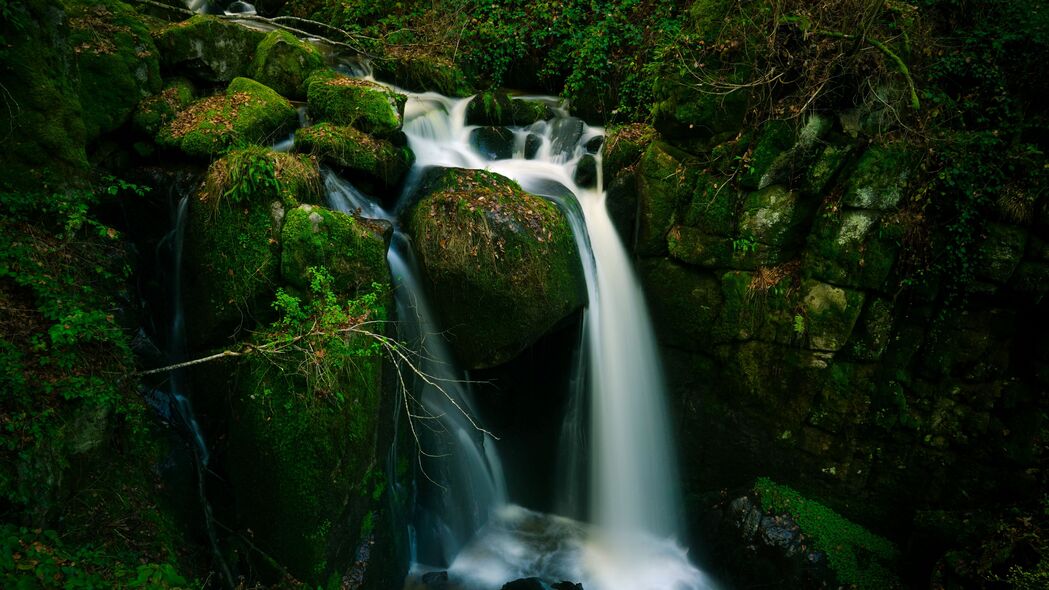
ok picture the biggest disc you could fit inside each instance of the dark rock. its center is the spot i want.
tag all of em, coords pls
(526, 584)
(586, 172)
(494, 143)
(567, 586)
(565, 135)
(498, 108)
(532, 144)
(594, 145)
(621, 203)
(436, 580)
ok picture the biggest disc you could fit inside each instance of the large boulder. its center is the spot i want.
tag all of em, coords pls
(353, 250)
(232, 244)
(422, 73)
(351, 101)
(208, 49)
(283, 63)
(498, 108)
(247, 113)
(369, 158)
(665, 180)
(502, 265)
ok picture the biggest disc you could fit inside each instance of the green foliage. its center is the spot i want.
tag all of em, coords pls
(744, 244)
(31, 559)
(250, 171)
(858, 557)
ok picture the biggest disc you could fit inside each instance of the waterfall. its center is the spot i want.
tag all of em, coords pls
(633, 505)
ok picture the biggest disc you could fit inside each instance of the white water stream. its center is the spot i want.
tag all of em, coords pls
(634, 506)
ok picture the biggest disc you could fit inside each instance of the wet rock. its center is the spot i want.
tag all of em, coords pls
(494, 143)
(532, 144)
(208, 49)
(436, 581)
(595, 144)
(247, 113)
(283, 63)
(664, 181)
(880, 178)
(565, 135)
(621, 203)
(526, 584)
(361, 155)
(501, 264)
(423, 73)
(358, 103)
(499, 109)
(586, 172)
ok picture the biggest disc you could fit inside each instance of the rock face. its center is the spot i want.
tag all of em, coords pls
(207, 48)
(247, 113)
(502, 264)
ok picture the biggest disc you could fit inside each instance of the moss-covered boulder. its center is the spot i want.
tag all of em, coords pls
(829, 314)
(352, 250)
(71, 72)
(665, 179)
(422, 73)
(247, 113)
(853, 248)
(499, 108)
(359, 103)
(685, 302)
(208, 49)
(624, 146)
(283, 63)
(880, 178)
(698, 248)
(502, 264)
(775, 220)
(999, 253)
(232, 245)
(361, 155)
(159, 110)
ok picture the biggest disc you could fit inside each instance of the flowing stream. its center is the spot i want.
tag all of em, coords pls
(623, 535)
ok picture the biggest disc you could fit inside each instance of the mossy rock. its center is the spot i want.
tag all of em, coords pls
(351, 249)
(880, 178)
(713, 208)
(829, 314)
(500, 109)
(423, 73)
(207, 49)
(502, 265)
(776, 138)
(159, 110)
(681, 112)
(685, 302)
(695, 247)
(873, 330)
(304, 463)
(359, 103)
(859, 558)
(232, 244)
(247, 113)
(375, 160)
(624, 146)
(755, 309)
(853, 248)
(283, 63)
(777, 218)
(999, 253)
(823, 171)
(665, 179)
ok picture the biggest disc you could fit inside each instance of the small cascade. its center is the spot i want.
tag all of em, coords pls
(623, 535)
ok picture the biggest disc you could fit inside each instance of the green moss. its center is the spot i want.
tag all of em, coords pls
(248, 113)
(424, 73)
(352, 251)
(283, 63)
(665, 180)
(499, 109)
(624, 146)
(349, 101)
(233, 236)
(853, 248)
(207, 48)
(691, 245)
(776, 138)
(685, 302)
(857, 557)
(880, 178)
(830, 314)
(354, 151)
(713, 208)
(158, 110)
(502, 264)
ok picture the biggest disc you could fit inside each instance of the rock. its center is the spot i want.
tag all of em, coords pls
(776, 138)
(586, 172)
(159, 110)
(999, 253)
(714, 209)
(621, 203)
(352, 250)
(663, 184)
(501, 264)
(682, 112)
(685, 302)
(565, 134)
(359, 103)
(423, 73)
(247, 113)
(853, 248)
(232, 244)
(376, 160)
(494, 143)
(436, 581)
(873, 330)
(499, 109)
(777, 218)
(208, 49)
(283, 63)
(594, 145)
(532, 144)
(830, 314)
(624, 146)
(824, 170)
(697, 248)
(880, 178)
(526, 584)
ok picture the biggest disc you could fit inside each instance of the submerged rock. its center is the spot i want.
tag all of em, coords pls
(502, 264)
(283, 63)
(247, 113)
(208, 49)
(359, 103)
(586, 172)
(376, 160)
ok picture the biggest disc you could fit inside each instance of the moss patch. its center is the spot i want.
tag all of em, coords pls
(247, 113)
(502, 264)
(858, 557)
(161, 109)
(352, 250)
(423, 73)
(283, 63)
(377, 160)
(208, 49)
(359, 103)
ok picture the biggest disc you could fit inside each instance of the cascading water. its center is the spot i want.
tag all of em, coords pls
(633, 502)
